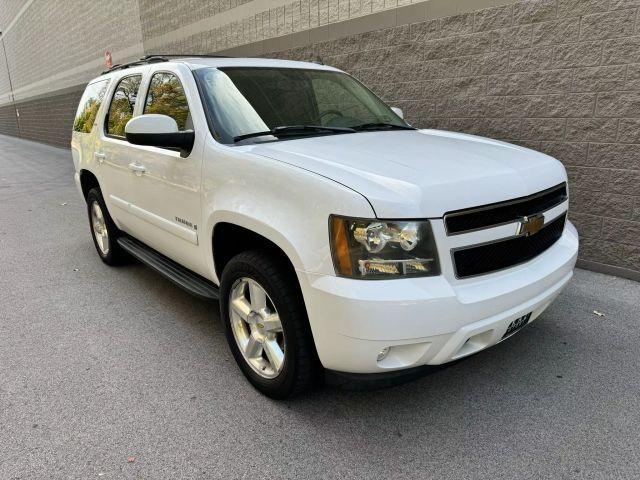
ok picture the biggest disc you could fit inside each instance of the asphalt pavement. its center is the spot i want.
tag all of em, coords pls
(116, 373)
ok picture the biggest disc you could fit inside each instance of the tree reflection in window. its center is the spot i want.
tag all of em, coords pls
(166, 97)
(122, 104)
(89, 106)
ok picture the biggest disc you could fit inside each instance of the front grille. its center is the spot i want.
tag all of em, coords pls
(491, 257)
(487, 216)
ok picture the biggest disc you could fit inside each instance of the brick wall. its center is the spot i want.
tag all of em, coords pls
(54, 36)
(8, 121)
(53, 48)
(562, 77)
(167, 15)
(50, 119)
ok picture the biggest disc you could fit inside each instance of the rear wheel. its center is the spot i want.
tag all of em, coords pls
(104, 232)
(266, 324)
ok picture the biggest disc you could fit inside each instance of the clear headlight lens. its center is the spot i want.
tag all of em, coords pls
(370, 249)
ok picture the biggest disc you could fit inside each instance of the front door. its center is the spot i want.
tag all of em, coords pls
(167, 186)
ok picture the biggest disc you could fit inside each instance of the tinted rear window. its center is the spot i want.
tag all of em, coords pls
(89, 106)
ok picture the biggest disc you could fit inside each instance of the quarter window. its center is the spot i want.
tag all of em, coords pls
(122, 104)
(166, 97)
(89, 106)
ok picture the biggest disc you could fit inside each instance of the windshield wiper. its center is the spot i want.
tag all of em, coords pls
(381, 125)
(294, 130)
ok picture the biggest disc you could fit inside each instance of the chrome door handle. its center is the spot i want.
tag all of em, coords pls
(137, 168)
(99, 156)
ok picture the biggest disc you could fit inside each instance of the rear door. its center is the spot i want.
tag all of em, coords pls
(168, 186)
(116, 157)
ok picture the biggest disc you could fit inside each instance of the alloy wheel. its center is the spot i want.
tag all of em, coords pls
(257, 328)
(99, 226)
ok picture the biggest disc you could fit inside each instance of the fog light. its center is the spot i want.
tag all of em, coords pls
(383, 353)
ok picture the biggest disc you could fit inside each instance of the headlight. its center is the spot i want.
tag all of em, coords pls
(382, 249)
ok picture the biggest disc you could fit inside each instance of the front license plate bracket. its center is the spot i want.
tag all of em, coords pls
(516, 325)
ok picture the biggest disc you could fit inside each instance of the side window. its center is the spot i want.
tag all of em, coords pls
(166, 97)
(89, 106)
(122, 103)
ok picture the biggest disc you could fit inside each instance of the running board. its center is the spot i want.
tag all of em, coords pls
(176, 273)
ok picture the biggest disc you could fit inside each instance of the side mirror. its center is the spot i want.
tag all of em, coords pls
(159, 131)
(398, 111)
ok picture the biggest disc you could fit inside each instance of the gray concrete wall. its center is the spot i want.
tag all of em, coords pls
(560, 76)
(52, 48)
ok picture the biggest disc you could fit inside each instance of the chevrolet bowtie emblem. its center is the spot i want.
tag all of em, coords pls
(530, 225)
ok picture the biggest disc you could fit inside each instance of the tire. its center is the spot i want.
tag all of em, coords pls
(254, 270)
(106, 241)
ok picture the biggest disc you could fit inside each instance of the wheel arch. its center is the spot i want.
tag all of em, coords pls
(88, 181)
(231, 236)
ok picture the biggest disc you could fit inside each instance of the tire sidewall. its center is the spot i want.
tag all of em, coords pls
(280, 386)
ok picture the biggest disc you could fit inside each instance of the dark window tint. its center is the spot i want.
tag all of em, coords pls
(244, 100)
(122, 103)
(166, 97)
(89, 106)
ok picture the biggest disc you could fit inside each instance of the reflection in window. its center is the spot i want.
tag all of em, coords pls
(334, 100)
(166, 97)
(122, 103)
(250, 99)
(89, 106)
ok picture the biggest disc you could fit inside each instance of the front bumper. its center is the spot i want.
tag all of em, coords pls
(428, 321)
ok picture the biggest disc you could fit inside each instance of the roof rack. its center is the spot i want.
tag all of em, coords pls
(157, 58)
(183, 55)
(143, 61)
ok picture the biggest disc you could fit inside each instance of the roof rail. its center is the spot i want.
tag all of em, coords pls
(183, 55)
(143, 61)
(157, 58)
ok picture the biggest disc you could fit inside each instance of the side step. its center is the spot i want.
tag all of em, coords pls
(181, 276)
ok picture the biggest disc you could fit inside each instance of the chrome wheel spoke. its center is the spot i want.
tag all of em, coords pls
(241, 307)
(253, 348)
(274, 354)
(101, 242)
(272, 323)
(258, 296)
(98, 212)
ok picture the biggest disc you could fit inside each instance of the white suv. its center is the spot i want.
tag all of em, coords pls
(337, 238)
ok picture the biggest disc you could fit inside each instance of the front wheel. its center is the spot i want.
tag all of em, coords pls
(266, 324)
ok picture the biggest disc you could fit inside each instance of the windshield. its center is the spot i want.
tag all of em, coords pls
(249, 100)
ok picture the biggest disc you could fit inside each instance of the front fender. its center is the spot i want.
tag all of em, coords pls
(288, 205)
(257, 226)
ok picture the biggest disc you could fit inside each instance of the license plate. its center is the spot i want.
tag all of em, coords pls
(516, 325)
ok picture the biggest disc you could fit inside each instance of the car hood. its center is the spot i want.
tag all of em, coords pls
(421, 173)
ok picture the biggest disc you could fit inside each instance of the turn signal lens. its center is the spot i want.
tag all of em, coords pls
(383, 249)
(340, 246)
